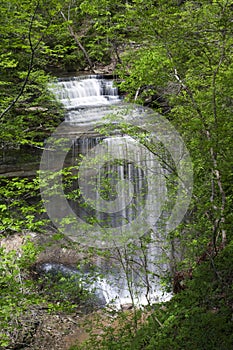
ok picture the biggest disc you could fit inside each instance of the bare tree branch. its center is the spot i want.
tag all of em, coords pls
(75, 36)
(30, 65)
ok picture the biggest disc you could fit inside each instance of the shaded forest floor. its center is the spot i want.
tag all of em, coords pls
(57, 332)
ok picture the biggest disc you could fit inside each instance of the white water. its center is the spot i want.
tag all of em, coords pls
(111, 290)
(88, 92)
(85, 101)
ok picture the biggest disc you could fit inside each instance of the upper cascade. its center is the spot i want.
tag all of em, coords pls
(85, 91)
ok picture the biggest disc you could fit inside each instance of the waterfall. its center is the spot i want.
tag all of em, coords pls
(83, 92)
(114, 193)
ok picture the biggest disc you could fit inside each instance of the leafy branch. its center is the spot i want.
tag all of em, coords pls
(33, 50)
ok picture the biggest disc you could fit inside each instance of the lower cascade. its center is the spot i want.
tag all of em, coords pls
(119, 199)
(111, 290)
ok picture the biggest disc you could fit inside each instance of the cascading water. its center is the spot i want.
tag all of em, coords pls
(88, 101)
(82, 93)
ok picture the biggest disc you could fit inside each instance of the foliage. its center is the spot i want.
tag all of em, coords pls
(20, 207)
(25, 101)
(18, 293)
(183, 55)
(27, 294)
(200, 317)
(63, 291)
